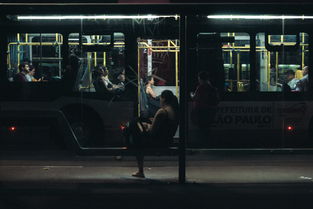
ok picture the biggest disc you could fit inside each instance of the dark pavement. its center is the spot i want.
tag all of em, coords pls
(61, 180)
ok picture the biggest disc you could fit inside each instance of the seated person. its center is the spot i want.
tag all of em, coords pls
(303, 83)
(291, 80)
(159, 133)
(103, 82)
(153, 99)
(30, 75)
(23, 71)
(121, 81)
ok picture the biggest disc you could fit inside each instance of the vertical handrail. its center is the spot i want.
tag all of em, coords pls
(182, 99)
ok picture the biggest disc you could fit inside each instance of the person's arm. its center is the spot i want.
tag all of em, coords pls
(107, 85)
(299, 85)
(150, 91)
(159, 118)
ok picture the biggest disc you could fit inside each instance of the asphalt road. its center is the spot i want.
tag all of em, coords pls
(62, 180)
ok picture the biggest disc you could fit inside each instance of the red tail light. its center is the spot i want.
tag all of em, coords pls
(122, 127)
(290, 128)
(12, 128)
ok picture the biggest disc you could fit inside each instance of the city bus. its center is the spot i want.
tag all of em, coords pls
(66, 53)
(247, 54)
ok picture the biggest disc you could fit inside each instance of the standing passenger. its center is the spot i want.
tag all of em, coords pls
(70, 74)
(205, 100)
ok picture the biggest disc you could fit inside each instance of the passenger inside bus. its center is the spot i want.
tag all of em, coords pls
(23, 71)
(103, 84)
(291, 80)
(121, 81)
(70, 74)
(152, 99)
(303, 83)
(30, 75)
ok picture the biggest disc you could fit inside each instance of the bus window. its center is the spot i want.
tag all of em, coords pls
(98, 51)
(236, 61)
(227, 52)
(39, 51)
(281, 62)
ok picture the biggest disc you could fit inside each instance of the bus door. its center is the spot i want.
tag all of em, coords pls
(157, 64)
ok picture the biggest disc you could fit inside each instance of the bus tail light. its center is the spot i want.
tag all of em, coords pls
(12, 129)
(290, 128)
(122, 127)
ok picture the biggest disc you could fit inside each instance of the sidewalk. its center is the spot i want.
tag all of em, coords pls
(219, 181)
(207, 169)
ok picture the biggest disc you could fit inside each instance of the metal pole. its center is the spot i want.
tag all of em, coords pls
(182, 99)
(176, 73)
(253, 67)
(138, 79)
(18, 51)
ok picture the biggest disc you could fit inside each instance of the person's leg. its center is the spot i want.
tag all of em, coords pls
(140, 161)
(138, 148)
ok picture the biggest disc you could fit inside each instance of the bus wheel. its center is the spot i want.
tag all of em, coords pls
(82, 132)
(86, 127)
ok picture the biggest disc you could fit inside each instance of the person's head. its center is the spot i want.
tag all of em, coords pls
(290, 74)
(103, 71)
(305, 70)
(203, 77)
(121, 76)
(32, 70)
(168, 98)
(24, 67)
(150, 80)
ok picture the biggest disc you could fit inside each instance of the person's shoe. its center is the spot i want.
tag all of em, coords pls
(138, 175)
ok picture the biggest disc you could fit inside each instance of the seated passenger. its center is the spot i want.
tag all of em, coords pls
(103, 83)
(121, 81)
(291, 80)
(30, 75)
(303, 83)
(153, 99)
(23, 71)
(159, 133)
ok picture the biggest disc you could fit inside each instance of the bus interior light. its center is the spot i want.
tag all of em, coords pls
(94, 17)
(261, 17)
